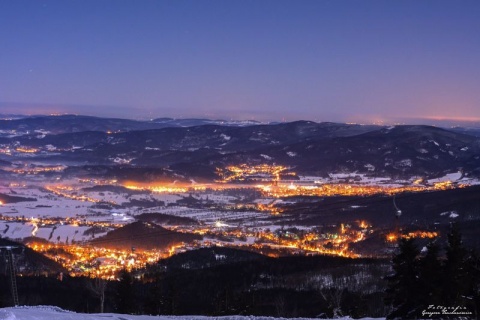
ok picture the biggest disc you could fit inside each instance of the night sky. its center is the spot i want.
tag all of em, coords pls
(265, 60)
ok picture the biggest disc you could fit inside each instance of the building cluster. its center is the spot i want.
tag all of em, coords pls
(268, 183)
(328, 190)
(97, 262)
(244, 172)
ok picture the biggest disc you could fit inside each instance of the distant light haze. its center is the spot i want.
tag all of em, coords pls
(250, 59)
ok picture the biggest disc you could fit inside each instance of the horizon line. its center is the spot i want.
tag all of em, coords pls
(427, 120)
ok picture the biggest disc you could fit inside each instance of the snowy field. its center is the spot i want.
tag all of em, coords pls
(55, 313)
(364, 179)
(50, 205)
(67, 210)
(53, 233)
(63, 215)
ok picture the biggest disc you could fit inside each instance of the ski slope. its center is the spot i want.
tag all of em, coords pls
(55, 313)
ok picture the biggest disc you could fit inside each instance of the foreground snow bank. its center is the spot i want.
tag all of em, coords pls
(55, 313)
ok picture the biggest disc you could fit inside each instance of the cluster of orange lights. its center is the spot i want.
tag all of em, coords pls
(271, 208)
(335, 243)
(158, 188)
(63, 191)
(49, 222)
(280, 191)
(26, 150)
(393, 236)
(260, 172)
(331, 240)
(99, 262)
(37, 170)
(165, 187)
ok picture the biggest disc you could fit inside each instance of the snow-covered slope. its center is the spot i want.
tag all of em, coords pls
(55, 313)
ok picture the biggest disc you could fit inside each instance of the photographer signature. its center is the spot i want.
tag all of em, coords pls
(434, 310)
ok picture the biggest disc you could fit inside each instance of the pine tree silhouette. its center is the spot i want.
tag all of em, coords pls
(456, 275)
(420, 284)
(125, 298)
(430, 277)
(403, 286)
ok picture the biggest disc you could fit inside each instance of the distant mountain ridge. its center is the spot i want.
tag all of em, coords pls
(196, 151)
(57, 124)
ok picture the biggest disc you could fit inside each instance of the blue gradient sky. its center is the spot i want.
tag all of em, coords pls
(265, 60)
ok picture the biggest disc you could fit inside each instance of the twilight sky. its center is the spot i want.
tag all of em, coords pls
(250, 59)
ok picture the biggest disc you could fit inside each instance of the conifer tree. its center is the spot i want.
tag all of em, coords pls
(430, 278)
(461, 286)
(474, 271)
(456, 275)
(125, 298)
(403, 286)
